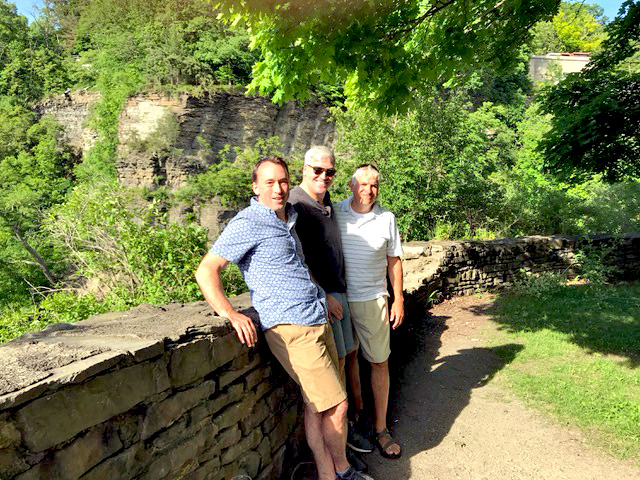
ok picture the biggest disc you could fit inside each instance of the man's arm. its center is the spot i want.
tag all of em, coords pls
(396, 315)
(208, 278)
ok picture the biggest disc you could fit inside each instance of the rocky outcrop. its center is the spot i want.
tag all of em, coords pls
(163, 140)
(72, 111)
(204, 126)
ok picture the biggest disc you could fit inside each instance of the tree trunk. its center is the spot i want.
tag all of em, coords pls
(36, 257)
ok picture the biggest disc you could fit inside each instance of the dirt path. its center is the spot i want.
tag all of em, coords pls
(456, 424)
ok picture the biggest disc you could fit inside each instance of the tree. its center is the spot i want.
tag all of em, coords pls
(34, 175)
(381, 51)
(596, 113)
(577, 27)
(31, 61)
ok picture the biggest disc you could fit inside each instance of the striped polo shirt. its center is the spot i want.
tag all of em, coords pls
(367, 240)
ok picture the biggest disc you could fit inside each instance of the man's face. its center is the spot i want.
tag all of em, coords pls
(314, 183)
(365, 190)
(272, 186)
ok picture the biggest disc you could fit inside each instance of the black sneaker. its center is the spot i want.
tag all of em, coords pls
(351, 474)
(356, 462)
(358, 442)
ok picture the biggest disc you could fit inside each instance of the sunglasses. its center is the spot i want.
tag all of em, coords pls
(318, 171)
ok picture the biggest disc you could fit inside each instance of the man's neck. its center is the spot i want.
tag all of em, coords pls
(311, 194)
(359, 208)
(282, 214)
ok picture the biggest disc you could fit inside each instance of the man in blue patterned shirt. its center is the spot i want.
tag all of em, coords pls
(261, 240)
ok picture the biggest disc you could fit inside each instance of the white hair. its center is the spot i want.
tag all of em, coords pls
(318, 152)
(365, 171)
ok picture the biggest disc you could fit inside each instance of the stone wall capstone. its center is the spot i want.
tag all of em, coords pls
(169, 392)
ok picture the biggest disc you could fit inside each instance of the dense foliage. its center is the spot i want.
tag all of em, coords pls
(382, 52)
(577, 27)
(450, 172)
(31, 61)
(462, 159)
(596, 113)
(169, 44)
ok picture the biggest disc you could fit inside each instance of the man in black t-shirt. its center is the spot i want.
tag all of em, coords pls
(320, 237)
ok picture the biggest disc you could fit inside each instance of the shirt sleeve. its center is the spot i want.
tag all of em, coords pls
(394, 247)
(235, 241)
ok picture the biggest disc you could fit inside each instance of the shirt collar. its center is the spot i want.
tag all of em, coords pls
(292, 215)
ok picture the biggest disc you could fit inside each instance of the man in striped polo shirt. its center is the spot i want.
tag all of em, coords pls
(371, 247)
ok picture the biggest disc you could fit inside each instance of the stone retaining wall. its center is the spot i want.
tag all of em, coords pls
(464, 268)
(169, 392)
(148, 394)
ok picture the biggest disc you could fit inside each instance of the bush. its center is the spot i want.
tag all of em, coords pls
(230, 178)
(115, 236)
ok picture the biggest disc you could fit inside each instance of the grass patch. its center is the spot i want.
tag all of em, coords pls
(580, 360)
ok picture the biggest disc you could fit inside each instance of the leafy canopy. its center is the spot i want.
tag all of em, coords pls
(596, 113)
(31, 61)
(381, 51)
(578, 27)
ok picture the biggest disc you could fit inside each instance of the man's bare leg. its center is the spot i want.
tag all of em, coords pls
(313, 426)
(380, 387)
(326, 434)
(353, 374)
(334, 423)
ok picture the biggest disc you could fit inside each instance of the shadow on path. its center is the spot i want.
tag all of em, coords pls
(429, 389)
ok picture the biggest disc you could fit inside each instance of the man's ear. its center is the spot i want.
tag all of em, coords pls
(254, 186)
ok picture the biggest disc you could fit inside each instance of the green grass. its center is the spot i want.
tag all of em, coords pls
(581, 358)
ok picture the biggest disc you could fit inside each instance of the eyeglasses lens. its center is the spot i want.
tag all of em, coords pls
(330, 171)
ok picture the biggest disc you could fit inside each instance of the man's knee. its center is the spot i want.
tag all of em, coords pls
(338, 412)
(381, 366)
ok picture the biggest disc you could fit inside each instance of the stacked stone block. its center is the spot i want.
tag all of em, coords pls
(463, 268)
(185, 400)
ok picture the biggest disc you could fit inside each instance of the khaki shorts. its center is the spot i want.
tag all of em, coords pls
(309, 356)
(371, 322)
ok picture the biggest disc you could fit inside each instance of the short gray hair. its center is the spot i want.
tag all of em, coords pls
(366, 169)
(317, 152)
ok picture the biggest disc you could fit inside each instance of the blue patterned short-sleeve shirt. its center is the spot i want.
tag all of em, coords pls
(268, 254)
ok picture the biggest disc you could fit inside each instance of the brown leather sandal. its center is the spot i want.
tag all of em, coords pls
(383, 446)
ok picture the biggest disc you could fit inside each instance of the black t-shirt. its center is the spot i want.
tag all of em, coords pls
(320, 237)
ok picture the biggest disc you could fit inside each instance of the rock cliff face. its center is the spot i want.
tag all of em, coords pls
(164, 140)
(72, 111)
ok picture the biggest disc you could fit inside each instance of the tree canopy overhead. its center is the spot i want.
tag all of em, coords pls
(596, 113)
(381, 51)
